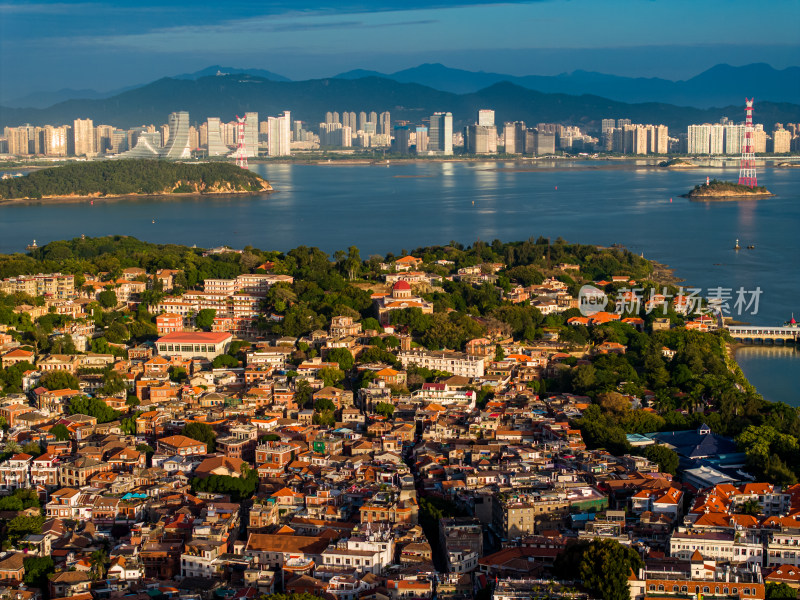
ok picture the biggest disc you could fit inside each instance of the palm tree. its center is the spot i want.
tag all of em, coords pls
(12, 447)
(98, 560)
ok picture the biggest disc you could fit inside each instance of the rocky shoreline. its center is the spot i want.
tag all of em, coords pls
(198, 192)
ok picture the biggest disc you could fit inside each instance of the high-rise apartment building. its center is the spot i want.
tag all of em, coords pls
(402, 139)
(639, 145)
(119, 141)
(622, 122)
(759, 139)
(362, 121)
(385, 123)
(514, 137)
(658, 139)
(83, 137)
(734, 139)
(716, 140)
(486, 117)
(55, 140)
(480, 139)
(215, 145)
(279, 135)
(102, 138)
(607, 124)
(699, 139)
(781, 140)
(251, 134)
(194, 138)
(422, 140)
(335, 134)
(440, 133)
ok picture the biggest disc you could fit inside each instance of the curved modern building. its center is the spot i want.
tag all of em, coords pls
(148, 145)
(178, 143)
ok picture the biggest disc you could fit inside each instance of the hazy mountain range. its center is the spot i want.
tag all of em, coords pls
(721, 85)
(227, 96)
(718, 86)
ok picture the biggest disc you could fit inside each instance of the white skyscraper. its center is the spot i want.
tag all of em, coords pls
(734, 137)
(699, 139)
(486, 118)
(251, 134)
(178, 146)
(716, 142)
(215, 145)
(440, 133)
(279, 135)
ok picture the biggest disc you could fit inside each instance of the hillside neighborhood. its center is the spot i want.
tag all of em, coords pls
(446, 423)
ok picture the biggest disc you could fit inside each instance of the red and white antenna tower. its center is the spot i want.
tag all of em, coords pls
(241, 149)
(747, 167)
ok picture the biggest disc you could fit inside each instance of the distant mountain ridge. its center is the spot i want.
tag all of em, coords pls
(218, 70)
(718, 86)
(44, 99)
(225, 97)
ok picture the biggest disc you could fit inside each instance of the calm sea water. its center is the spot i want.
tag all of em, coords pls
(402, 206)
(773, 370)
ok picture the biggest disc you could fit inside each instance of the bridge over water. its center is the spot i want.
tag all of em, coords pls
(757, 333)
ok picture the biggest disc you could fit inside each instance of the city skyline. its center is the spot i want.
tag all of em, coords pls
(103, 46)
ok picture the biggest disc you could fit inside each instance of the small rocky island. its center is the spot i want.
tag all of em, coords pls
(677, 163)
(726, 190)
(116, 178)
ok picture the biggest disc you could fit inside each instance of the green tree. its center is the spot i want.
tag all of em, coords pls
(37, 569)
(112, 384)
(205, 318)
(780, 591)
(98, 560)
(750, 507)
(605, 567)
(32, 448)
(94, 407)
(323, 404)
(341, 356)
(385, 409)
(178, 374)
(107, 299)
(22, 525)
(331, 377)
(202, 433)
(59, 380)
(302, 392)
(61, 432)
(666, 458)
(225, 361)
(117, 333)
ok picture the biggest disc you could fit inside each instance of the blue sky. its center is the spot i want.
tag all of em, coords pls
(107, 45)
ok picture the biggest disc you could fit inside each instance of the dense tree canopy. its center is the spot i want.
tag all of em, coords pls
(202, 433)
(117, 177)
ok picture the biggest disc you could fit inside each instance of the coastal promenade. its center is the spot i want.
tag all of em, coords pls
(758, 333)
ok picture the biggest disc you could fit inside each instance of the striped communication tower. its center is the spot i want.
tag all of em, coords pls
(241, 150)
(747, 167)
